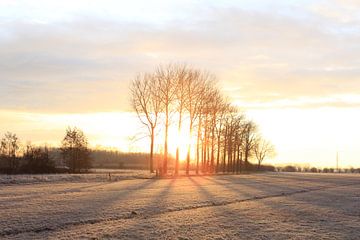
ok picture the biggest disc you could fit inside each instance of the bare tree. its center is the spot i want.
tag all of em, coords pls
(263, 149)
(146, 102)
(167, 88)
(74, 150)
(200, 97)
(238, 141)
(249, 136)
(223, 109)
(224, 138)
(182, 78)
(229, 118)
(9, 147)
(216, 103)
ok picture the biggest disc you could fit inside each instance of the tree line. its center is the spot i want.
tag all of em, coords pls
(35, 159)
(308, 169)
(225, 138)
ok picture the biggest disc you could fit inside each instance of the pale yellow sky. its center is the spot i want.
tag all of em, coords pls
(293, 66)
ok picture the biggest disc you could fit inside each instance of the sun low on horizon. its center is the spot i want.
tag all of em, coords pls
(293, 71)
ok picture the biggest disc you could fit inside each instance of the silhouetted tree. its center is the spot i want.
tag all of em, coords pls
(197, 87)
(146, 102)
(263, 149)
(232, 121)
(249, 137)
(74, 150)
(223, 109)
(9, 147)
(167, 87)
(182, 78)
(176, 92)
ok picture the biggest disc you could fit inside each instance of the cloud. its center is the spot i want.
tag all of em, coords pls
(84, 63)
(337, 101)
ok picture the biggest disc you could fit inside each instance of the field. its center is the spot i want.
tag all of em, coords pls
(257, 206)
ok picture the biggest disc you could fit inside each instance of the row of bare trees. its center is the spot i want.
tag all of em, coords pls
(190, 99)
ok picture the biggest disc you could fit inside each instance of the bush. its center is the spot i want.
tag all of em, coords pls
(37, 160)
(268, 168)
(289, 169)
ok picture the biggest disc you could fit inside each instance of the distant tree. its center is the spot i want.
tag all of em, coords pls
(268, 168)
(37, 160)
(74, 150)
(263, 149)
(146, 102)
(289, 168)
(9, 147)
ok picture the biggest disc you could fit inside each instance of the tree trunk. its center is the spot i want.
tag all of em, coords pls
(218, 150)
(204, 146)
(152, 150)
(164, 170)
(259, 163)
(189, 151)
(246, 157)
(229, 152)
(198, 146)
(234, 159)
(225, 149)
(241, 161)
(238, 159)
(177, 147)
(212, 150)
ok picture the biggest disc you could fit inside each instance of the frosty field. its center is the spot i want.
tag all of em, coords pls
(257, 206)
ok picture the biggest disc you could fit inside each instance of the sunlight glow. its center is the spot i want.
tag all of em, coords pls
(301, 88)
(314, 139)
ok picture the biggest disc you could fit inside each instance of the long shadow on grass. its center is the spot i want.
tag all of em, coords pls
(220, 214)
(249, 187)
(82, 210)
(262, 222)
(155, 205)
(306, 211)
(303, 214)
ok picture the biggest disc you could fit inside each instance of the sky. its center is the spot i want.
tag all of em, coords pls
(293, 66)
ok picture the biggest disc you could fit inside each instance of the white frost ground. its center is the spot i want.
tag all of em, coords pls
(97, 175)
(259, 206)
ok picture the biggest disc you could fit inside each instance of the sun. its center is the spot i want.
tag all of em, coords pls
(180, 139)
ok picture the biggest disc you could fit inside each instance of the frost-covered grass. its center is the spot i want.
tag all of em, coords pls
(259, 206)
(96, 175)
